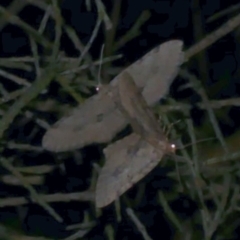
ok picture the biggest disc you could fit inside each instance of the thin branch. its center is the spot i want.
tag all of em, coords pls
(200, 90)
(15, 20)
(141, 228)
(16, 79)
(56, 197)
(226, 28)
(134, 30)
(169, 211)
(34, 195)
(38, 86)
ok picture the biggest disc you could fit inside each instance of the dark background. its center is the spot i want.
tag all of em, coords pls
(217, 68)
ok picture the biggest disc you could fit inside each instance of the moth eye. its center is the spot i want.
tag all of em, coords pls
(173, 147)
(98, 87)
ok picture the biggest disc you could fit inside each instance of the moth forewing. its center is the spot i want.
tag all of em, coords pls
(97, 120)
(170, 58)
(127, 161)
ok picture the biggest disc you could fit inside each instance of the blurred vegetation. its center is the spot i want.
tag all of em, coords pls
(49, 62)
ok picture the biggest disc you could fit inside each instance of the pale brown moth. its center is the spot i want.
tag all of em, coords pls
(101, 117)
(131, 158)
(98, 120)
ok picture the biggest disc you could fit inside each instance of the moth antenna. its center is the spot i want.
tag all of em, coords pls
(199, 141)
(172, 146)
(171, 126)
(99, 70)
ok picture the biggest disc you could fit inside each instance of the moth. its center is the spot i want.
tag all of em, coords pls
(98, 120)
(131, 158)
(126, 99)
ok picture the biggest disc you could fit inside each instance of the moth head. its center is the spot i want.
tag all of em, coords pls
(98, 87)
(171, 147)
